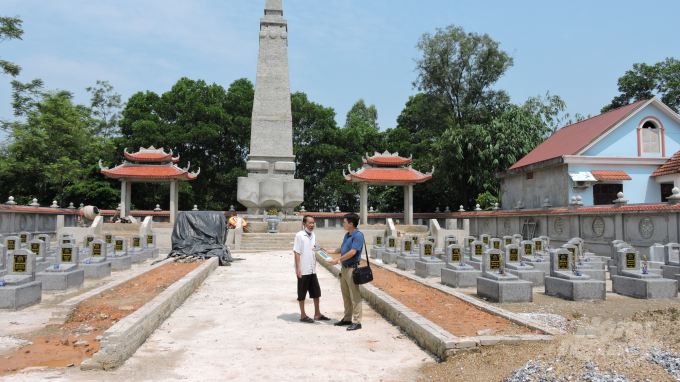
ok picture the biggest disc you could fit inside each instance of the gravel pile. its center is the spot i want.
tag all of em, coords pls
(552, 320)
(539, 371)
(669, 361)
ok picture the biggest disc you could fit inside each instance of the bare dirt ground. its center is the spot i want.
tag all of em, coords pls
(74, 341)
(242, 324)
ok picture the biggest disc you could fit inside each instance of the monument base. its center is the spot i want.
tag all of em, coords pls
(505, 291)
(139, 256)
(390, 257)
(541, 266)
(55, 280)
(19, 296)
(407, 263)
(534, 276)
(460, 278)
(595, 274)
(96, 270)
(429, 267)
(648, 289)
(575, 290)
(120, 263)
(669, 271)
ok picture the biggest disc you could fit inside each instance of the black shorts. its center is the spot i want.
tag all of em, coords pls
(308, 283)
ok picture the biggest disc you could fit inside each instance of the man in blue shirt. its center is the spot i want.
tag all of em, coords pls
(350, 256)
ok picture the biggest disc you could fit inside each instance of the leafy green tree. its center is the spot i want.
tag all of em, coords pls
(205, 125)
(459, 69)
(10, 29)
(646, 81)
(360, 113)
(106, 106)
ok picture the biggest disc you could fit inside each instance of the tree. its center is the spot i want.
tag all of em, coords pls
(360, 113)
(10, 29)
(203, 124)
(106, 106)
(646, 81)
(459, 69)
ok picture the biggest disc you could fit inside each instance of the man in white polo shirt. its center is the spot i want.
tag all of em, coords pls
(305, 267)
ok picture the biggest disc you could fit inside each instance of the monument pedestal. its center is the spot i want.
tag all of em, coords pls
(578, 289)
(505, 289)
(120, 263)
(96, 270)
(139, 256)
(427, 267)
(460, 276)
(19, 291)
(389, 257)
(646, 287)
(527, 273)
(669, 271)
(407, 262)
(61, 279)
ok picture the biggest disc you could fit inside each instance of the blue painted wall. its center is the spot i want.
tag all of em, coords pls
(622, 142)
(641, 189)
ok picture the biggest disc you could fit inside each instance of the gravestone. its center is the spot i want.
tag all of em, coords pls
(517, 238)
(137, 251)
(467, 243)
(477, 249)
(633, 278)
(457, 273)
(428, 264)
(545, 240)
(526, 248)
(120, 259)
(671, 259)
(416, 241)
(3, 260)
(24, 237)
(406, 259)
(41, 260)
(108, 239)
(656, 257)
(451, 238)
(485, 239)
(87, 240)
(12, 243)
(390, 253)
(64, 274)
(67, 240)
(507, 240)
(497, 285)
(96, 264)
(20, 288)
(586, 267)
(48, 244)
(150, 245)
(514, 264)
(496, 244)
(538, 246)
(563, 281)
(378, 244)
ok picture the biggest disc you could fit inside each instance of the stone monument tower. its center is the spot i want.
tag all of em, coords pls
(271, 163)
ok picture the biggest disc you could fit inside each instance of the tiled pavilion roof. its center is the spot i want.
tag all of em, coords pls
(151, 155)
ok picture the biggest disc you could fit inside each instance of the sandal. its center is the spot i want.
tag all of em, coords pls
(307, 319)
(323, 318)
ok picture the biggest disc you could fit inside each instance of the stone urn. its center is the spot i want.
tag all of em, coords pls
(273, 222)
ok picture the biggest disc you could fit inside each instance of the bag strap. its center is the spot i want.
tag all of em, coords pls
(366, 250)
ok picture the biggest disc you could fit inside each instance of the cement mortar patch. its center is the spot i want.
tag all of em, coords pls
(122, 339)
(428, 334)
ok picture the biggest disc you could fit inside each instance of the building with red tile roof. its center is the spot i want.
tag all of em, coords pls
(149, 165)
(623, 150)
(387, 169)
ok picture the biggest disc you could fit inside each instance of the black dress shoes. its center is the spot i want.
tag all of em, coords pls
(343, 323)
(354, 327)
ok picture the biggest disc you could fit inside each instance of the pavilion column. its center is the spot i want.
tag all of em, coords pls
(123, 197)
(173, 201)
(364, 203)
(128, 198)
(410, 204)
(406, 205)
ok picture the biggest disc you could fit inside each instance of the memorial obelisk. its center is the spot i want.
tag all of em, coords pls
(271, 163)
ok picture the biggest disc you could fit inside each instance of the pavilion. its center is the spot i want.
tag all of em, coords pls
(149, 166)
(387, 170)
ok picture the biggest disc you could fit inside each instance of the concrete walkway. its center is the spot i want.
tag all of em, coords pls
(242, 325)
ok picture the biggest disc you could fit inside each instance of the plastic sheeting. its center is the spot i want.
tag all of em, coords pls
(201, 233)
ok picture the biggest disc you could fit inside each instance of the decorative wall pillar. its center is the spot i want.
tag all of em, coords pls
(364, 203)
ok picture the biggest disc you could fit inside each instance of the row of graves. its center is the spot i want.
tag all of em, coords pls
(30, 265)
(507, 269)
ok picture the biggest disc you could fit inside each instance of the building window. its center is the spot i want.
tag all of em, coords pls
(530, 175)
(606, 193)
(666, 191)
(651, 138)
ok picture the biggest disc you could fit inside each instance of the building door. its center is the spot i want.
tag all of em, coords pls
(666, 191)
(606, 193)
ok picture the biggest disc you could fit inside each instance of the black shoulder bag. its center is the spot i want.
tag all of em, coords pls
(363, 275)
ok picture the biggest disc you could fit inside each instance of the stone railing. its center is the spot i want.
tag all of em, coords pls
(37, 220)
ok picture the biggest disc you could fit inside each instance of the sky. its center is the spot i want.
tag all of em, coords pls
(339, 50)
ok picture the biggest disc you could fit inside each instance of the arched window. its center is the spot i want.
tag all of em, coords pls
(651, 137)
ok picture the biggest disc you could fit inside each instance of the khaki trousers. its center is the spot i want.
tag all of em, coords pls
(350, 296)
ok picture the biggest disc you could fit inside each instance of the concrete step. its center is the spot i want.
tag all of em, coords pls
(267, 241)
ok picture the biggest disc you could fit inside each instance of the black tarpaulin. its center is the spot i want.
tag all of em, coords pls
(201, 233)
